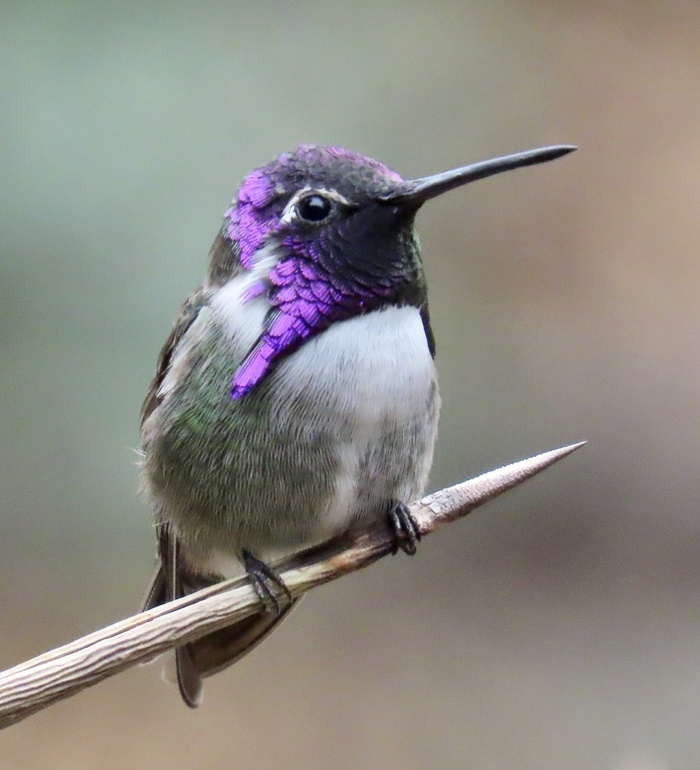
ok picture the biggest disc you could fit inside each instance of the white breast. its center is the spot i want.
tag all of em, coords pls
(373, 362)
(369, 370)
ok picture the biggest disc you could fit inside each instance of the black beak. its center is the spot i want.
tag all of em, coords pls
(415, 192)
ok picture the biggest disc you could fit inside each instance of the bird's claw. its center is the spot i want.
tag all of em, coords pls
(268, 585)
(405, 528)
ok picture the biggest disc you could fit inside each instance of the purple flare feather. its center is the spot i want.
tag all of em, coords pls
(304, 307)
(247, 224)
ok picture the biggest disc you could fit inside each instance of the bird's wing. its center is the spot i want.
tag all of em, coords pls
(429, 336)
(188, 313)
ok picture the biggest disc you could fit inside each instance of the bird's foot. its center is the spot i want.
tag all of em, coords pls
(404, 526)
(268, 585)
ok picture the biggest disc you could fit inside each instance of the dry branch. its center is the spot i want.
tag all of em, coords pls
(66, 670)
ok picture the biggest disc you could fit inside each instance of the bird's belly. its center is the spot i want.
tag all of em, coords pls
(341, 427)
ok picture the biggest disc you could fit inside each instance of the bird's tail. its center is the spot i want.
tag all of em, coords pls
(213, 652)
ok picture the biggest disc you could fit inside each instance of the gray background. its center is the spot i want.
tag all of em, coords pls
(556, 628)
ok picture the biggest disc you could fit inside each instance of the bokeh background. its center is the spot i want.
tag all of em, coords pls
(559, 627)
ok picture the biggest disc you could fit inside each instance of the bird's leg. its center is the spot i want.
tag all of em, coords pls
(268, 585)
(404, 526)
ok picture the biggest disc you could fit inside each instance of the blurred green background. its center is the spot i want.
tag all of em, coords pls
(558, 627)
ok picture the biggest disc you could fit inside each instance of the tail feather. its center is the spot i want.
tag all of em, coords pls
(213, 652)
(223, 648)
(189, 680)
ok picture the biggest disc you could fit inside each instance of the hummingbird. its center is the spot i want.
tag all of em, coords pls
(296, 397)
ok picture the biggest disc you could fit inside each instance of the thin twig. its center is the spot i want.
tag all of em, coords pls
(66, 670)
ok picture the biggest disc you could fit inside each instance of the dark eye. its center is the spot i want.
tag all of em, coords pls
(314, 208)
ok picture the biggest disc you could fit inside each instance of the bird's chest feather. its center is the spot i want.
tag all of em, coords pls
(339, 427)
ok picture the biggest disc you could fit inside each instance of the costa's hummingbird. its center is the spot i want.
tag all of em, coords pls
(296, 396)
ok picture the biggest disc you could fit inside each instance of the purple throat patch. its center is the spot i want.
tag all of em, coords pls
(305, 301)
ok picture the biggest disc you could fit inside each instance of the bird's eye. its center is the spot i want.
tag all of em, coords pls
(314, 208)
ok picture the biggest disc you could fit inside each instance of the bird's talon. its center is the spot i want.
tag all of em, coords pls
(268, 585)
(405, 528)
